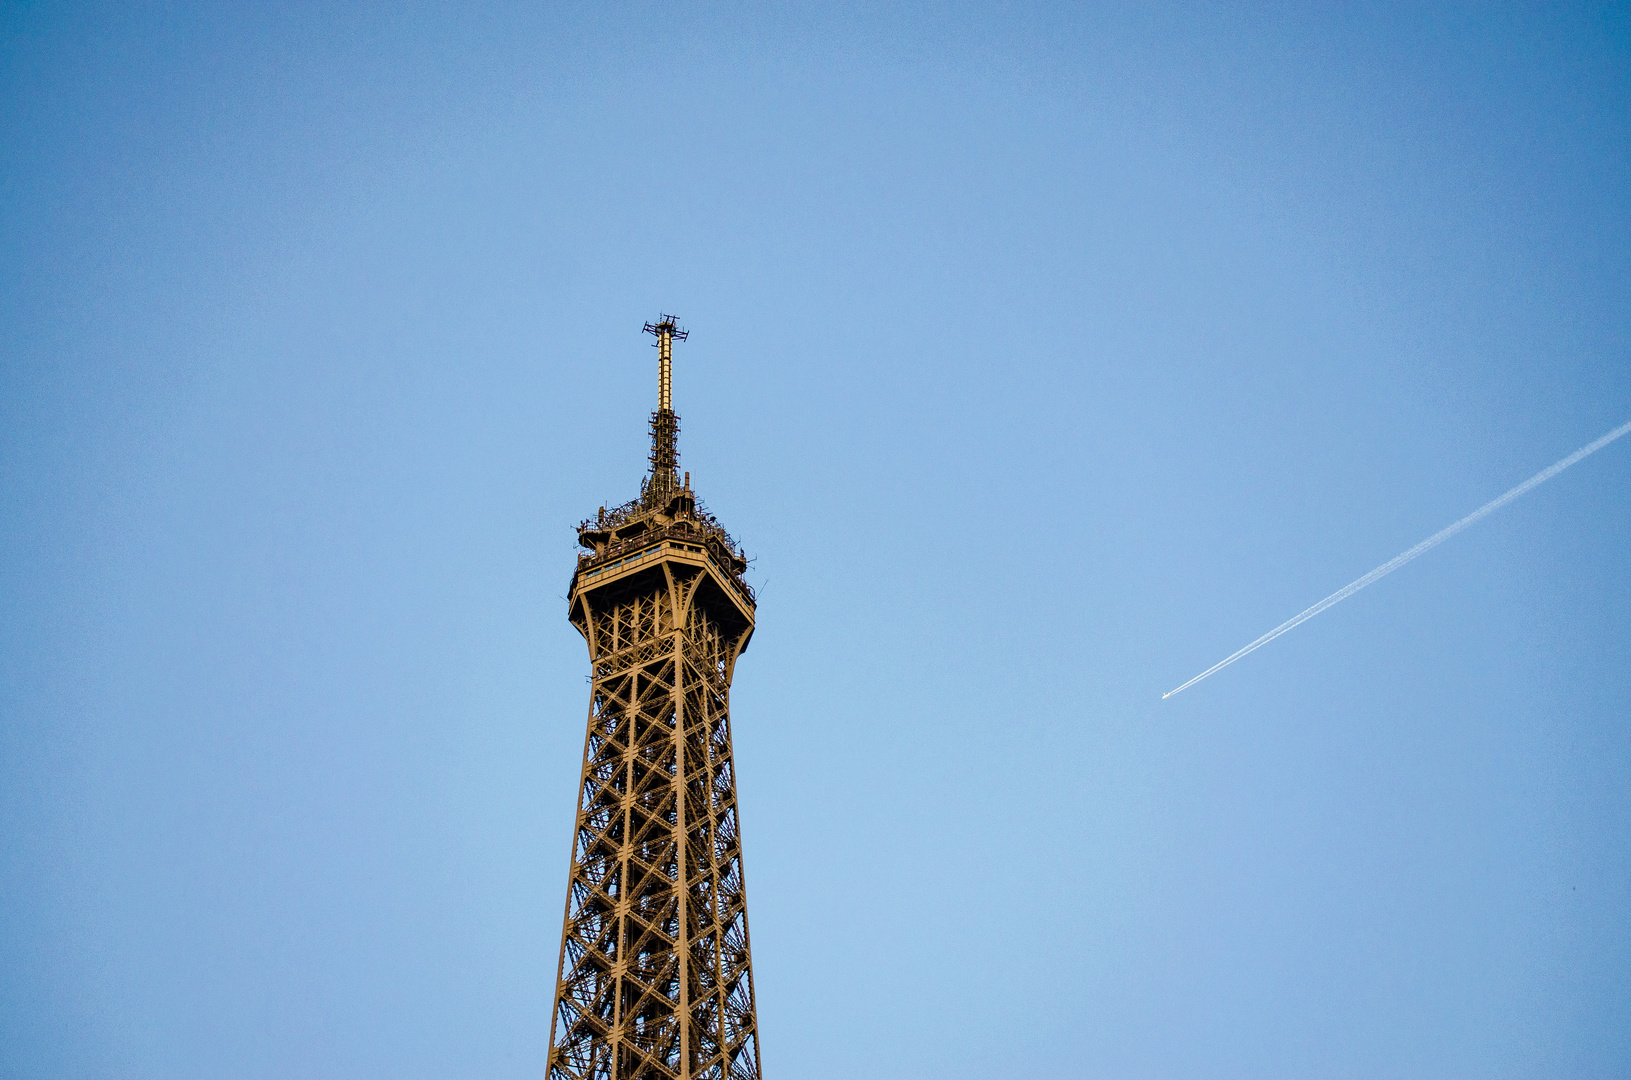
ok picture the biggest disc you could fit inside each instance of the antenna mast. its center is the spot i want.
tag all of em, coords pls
(665, 425)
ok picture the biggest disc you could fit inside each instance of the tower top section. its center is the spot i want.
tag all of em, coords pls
(666, 520)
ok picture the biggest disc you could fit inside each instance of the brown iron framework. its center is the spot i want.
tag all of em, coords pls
(656, 977)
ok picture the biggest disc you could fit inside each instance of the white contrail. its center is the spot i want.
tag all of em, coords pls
(1399, 560)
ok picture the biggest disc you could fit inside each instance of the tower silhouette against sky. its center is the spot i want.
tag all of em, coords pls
(655, 977)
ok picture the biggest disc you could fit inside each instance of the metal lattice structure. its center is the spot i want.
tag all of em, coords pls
(656, 978)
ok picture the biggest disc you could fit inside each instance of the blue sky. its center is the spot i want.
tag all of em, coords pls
(1042, 355)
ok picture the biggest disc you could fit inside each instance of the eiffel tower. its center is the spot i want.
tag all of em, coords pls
(655, 977)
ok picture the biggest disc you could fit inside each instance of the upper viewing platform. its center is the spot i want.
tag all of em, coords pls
(635, 532)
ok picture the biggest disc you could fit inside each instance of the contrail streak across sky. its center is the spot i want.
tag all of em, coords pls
(1399, 560)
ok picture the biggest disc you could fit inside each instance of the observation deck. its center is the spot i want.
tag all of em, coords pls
(627, 547)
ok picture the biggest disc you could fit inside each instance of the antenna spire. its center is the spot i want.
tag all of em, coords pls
(665, 425)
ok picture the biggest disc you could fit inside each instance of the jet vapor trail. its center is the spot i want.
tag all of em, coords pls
(1399, 560)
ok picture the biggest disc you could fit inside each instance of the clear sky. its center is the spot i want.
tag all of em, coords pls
(1041, 354)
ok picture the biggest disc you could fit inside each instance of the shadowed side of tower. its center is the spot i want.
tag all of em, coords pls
(655, 977)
